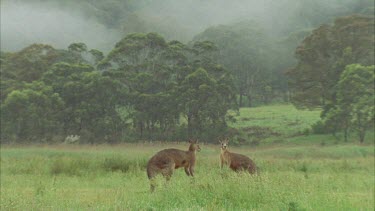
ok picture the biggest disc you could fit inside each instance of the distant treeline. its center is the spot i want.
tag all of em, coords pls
(145, 88)
(150, 88)
(335, 71)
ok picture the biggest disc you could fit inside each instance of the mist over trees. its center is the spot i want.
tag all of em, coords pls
(100, 24)
(335, 64)
(144, 88)
(251, 55)
(112, 71)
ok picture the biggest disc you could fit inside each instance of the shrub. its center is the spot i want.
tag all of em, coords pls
(70, 166)
(320, 128)
(118, 163)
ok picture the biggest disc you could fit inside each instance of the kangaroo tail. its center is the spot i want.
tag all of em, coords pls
(150, 174)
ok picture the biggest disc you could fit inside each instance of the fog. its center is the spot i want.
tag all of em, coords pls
(193, 16)
(23, 24)
(26, 22)
(276, 17)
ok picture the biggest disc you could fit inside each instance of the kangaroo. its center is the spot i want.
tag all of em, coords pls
(165, 161)
(236, 162)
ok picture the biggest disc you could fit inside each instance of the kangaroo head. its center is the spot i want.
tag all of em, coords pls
(194, 146)
(224, 144)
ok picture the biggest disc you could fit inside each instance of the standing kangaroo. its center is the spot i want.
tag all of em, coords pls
(236, 162)
(165, 161)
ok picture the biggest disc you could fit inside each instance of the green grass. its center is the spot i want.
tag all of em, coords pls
(114, 178)
(284, 124)
(297, 172)
(284, 119)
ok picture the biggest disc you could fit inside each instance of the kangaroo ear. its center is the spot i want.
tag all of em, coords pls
(192, 141)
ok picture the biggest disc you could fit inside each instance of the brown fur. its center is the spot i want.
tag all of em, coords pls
(236, 162)
(165, 161)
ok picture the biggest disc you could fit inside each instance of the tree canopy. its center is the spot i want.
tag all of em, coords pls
(323, 55)
(145, 87)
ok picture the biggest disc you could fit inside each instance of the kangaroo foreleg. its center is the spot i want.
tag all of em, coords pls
(187, 171)
(191, 169)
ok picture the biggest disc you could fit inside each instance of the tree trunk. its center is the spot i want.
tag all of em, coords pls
(362, 134)
(346, 134)
(249, 98)
(190, 127)
(361, 129)
(141, 129)
(240, 100)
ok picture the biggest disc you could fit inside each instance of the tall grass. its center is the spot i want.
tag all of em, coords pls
(114, 178)
(297, 171)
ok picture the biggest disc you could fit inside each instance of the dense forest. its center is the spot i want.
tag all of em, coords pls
(121, 71)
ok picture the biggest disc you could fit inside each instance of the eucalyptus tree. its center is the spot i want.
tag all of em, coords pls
(245, 50)
(31, 113)
(354, 107)
(323, 55)
(156, 73)
(91, 101)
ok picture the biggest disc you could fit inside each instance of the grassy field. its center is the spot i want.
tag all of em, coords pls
(300, 173)
(284, 125)
(283, 119)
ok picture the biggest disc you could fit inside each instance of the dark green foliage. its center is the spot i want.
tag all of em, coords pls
(323, 55)
(147, 88)
(168, 81)
(325, 75)
(91, 101)
(250, 55)
(30, 63)
(77, 47)
(354, 106)
(30, 113)
(320, 128)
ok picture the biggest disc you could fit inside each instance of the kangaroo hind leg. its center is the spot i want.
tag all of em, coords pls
(168, 169)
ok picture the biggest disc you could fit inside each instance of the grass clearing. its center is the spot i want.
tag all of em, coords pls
(104, 177)
(297, 172)
(283, 119)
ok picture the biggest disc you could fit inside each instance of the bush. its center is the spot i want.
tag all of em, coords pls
(70, 166)
(320, 128)
(116, 164)
(121, 164)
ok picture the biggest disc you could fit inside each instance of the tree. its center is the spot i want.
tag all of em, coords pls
(356, 94)
(156, 73)
(147, 65)
(83, 55)
(31, 114)
(91, 101)
(323, 55)
(355, 101)
(244, 49)
(31, 62)
(205, 101)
